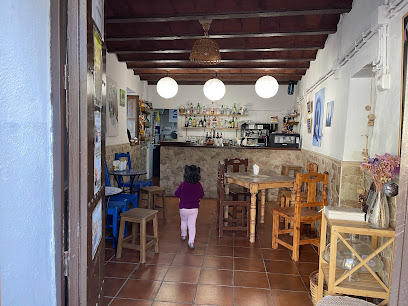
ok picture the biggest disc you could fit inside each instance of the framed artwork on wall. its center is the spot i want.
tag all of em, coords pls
(309, 107)
(329, 113)
(122, 98)
(309, 125)
(112, 116)
(318, 118)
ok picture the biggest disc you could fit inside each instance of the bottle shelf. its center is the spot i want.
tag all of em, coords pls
(208, 128)
(220, 115)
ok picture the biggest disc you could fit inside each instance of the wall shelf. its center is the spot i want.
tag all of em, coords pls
(220, 115)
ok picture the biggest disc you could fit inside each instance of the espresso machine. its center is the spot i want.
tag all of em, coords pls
(256, 134)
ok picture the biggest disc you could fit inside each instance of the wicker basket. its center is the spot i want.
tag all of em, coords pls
(314, 279)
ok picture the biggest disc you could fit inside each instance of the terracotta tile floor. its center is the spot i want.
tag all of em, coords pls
(219, 271)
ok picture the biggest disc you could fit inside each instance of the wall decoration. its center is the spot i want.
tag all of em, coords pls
(112, 119)
(310, 107)
(96, 227)
(318, 118)
(122, 98)
(309, 125)
(329, 113)
(97, 75)
(97, 152)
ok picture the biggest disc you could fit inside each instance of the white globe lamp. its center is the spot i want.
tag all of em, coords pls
(266, 86)
(214, 89)
(167, 87)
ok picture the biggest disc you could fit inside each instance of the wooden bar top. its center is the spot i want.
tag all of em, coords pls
(191, 145)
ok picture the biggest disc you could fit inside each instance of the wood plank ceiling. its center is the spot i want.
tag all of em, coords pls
(276, 37)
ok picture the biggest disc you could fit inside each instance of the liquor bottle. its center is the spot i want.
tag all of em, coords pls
(198, 109)
(190, 121)
(203, 110)
(222, 109)
(194, 122)
(204, 122)
(214, 122)
(240, 112)
(191, 109)
(186, 121)
(200, 124)
(232, 123)
(212, 108)
(234, 110)
(218, 123)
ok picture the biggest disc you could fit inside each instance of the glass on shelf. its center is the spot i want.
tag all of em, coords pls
(346, 260)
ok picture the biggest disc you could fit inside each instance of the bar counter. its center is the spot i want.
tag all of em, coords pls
(175, 155)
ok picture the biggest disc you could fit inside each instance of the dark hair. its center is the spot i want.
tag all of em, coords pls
(192, 174)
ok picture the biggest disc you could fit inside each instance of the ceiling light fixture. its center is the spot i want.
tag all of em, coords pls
(266, 86)
(214, 89)
(205, 50)
(167, 87)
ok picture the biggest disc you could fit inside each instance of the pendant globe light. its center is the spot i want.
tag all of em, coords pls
(214, 89)
(167, 87)
(266, 86)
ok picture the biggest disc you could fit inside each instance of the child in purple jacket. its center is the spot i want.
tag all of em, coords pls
(190, 192)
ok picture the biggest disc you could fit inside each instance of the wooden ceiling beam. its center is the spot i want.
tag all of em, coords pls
(171, 71)
(247, 42)
(224, 64)
(221, 36)
(168, 8)
(221, 76)
(335, 11)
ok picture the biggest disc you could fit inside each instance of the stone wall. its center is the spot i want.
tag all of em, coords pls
(137, 156)
(173, 160)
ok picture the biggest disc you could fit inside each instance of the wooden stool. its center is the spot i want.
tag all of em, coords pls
(152, 191)
(141, 216)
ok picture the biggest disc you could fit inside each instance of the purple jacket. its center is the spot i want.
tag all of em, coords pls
(189, 194)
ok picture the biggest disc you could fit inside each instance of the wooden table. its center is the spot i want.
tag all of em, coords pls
(132, 173)
(256, 183)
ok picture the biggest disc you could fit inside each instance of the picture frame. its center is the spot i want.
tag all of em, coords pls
(309, 107)
(329, 113)
(309, 125)
(122, 98)
(318, 117)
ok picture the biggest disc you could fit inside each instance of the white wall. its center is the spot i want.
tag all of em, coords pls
(27, 245)
(260, 110)
(385, 134)
(125, 79)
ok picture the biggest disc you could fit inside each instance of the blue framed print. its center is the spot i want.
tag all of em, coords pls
(318, 118)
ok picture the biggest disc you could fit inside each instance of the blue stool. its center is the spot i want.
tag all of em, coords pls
(113, 215)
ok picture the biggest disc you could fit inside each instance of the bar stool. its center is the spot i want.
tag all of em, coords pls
(151, 192)
(141, 216)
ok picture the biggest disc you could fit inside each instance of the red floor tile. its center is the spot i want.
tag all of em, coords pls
(139, 289)
(116, 269)
(199, 249)
(247, 252)
(251, 279)
(112, 285)
(283, 267)
(169, 304)
(306, 268)
(286, 282)
(159, 259)
(253, 296)
(182, 274)
(130, 302)
(188, 260)
(249, 264)
(176, 292)
(214, 295)
(216, 277)
(218, 250)
(276, 254)
(216, 262)
(150, 272)
(285, 298)
(128, 255)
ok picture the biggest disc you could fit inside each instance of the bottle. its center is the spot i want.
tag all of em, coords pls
(234, 110)
(214, 122)
(222, 109)
(198, 109)
(240, 112)
(232, 123)
(191, 109)
(218, 123)
(204, 122)
(186, 121)
(204, 110)
(190, 121)
(212, 108)
(194, 122)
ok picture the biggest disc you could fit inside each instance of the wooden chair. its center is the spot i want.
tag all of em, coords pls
(302, 212)
(138, 216)
(151, 192)
(237, 165)
(230, 221)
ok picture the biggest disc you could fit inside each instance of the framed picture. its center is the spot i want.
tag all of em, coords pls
(309, 125)
(329, 113)
(122, 98)
(309, 107)
(318, 118)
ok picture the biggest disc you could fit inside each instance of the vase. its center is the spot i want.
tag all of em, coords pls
(378, 214)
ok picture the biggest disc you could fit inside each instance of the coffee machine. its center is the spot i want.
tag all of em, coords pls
(256, 134)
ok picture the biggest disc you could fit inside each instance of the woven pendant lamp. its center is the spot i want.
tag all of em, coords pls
(205, 50)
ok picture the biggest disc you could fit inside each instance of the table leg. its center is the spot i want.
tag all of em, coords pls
(254, 190)
(263, 192)
(226, 207)
(132, 179)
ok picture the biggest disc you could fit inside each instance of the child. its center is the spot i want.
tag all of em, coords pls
(190, 192)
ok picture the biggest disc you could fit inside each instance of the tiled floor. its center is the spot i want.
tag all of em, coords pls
(219, 271)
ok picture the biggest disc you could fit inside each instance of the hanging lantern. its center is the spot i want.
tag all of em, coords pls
(167, 87)
(214, 89)
(266, 86)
